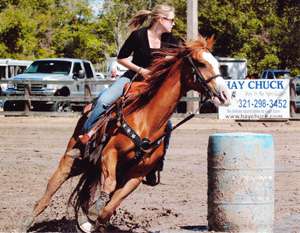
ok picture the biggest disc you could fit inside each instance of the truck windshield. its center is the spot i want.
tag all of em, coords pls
(282, 74)
(50, 67)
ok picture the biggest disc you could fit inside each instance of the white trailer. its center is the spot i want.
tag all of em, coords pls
(10, 68)
(232, 68)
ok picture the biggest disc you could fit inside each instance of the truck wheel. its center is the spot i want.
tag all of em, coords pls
(13, 106)
(60, 106)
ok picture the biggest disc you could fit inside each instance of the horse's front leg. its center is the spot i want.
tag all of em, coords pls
(108, 178)
(133, 179)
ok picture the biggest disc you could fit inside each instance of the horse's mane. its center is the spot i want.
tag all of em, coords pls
(163, 62)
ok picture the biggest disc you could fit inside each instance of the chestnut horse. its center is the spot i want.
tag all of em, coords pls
(152, 102)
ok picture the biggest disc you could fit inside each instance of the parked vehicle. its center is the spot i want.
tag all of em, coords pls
(10, 68)
(275, 74)
(100, 75)
(114, 69)
(297, 82)
(233, 68)
(60, 69)
(297, 78)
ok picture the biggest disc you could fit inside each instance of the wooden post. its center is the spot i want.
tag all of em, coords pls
(87, 92)
(192, 19)
(27, 91)
(192, 34)
(293, 108)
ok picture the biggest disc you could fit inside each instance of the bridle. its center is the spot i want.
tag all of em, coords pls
(198, 77)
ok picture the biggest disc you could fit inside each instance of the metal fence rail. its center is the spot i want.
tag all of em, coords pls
(28, 97)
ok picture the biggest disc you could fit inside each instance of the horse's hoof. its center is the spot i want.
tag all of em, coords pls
(74, 153)
(86, 227)
(26, 224)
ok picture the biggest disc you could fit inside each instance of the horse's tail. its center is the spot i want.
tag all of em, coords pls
(84, 192)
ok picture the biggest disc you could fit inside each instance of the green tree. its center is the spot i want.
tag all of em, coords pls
(288, 40)
(17, 37)
(243, 29)
(49, 28)
(265, 32)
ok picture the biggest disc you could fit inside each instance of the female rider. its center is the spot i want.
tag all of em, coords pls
(141, 44)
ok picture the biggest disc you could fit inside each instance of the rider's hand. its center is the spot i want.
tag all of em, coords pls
(145, 73)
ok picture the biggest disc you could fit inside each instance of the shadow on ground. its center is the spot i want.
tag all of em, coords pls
(62, 225)
(194, 228)
(67, 226)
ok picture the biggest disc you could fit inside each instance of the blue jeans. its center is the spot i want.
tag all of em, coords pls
(105, 98)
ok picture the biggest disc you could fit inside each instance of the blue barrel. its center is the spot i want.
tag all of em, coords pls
(240, 182)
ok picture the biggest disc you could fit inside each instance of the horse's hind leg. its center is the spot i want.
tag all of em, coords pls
(57, 179)
(61, 174)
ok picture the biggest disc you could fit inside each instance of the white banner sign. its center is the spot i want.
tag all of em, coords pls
(257, 99)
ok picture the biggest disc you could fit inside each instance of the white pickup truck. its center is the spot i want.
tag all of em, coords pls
(54, 69)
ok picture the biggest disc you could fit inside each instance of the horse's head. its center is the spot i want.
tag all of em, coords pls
(205, 75)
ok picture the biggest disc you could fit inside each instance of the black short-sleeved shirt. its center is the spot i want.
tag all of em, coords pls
(137, 45)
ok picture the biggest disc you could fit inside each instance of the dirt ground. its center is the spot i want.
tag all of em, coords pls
(31, 147)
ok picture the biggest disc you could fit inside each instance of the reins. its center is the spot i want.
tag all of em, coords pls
(199, 77)
(189, 117)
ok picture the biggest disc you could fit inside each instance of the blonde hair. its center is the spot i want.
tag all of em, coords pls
(143, 15)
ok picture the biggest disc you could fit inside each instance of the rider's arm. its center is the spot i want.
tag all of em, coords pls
(129, 46)
(129, 65)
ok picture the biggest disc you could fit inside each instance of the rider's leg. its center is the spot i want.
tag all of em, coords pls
(107, 97)
(151, 178)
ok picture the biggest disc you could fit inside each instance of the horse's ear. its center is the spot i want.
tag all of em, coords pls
(210, 42)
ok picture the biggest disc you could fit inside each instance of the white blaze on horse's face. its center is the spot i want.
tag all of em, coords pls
(221, 87)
